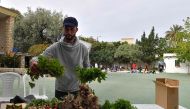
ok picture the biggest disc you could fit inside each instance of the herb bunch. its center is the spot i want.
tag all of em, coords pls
(119, 104)
(43, 104)
(46, 65)
(90, 74)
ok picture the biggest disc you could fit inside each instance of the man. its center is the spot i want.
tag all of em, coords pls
(71, 53)
(161, 66)
(134, 67)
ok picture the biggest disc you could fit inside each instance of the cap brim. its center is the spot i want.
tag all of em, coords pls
(69, 24)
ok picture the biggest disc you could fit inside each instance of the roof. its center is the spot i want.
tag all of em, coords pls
(127, 38)
(8, 12)
(169, 55)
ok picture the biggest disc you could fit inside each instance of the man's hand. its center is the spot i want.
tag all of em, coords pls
(33, 67)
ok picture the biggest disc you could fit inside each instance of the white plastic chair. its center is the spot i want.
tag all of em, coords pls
(8, 79)
(35, 90)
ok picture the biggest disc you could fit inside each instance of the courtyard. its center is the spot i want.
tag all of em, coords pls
(137, 88)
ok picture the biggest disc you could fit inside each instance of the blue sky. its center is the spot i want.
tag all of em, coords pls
(112, 20)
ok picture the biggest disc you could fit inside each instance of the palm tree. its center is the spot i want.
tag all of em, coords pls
(171, 35)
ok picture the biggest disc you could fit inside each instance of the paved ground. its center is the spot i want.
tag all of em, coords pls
(151, 106)
(137, 88)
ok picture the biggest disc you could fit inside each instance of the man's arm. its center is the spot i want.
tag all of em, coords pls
(49, 52)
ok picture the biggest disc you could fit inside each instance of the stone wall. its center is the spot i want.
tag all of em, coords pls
(6, 33)
(2, 35)
(17, 70)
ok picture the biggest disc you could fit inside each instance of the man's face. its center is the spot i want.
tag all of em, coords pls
(69, 32)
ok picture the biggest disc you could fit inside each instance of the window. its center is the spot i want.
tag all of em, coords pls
(177, 63)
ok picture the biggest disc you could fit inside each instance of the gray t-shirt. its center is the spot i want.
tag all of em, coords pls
(70, 56)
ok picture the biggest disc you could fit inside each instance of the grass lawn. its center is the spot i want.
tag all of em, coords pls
(137, 88)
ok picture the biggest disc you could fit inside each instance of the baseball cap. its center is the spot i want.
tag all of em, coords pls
(70, 21)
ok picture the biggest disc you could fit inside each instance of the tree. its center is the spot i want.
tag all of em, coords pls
(118, 43)
(34, 27)
(183, 42)
(149, 47)
(187, 25)
(162, 47)
(102, 53)
(89, 40)
(171, 34)
(183, 46)
(126, 53)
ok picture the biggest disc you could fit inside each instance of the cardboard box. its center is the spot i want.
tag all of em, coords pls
(167, 93)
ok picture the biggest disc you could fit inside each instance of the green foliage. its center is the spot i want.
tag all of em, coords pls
(162, 47)
(122, 104)
(29, 26)
(41, 102)
(102, 53)
(183, 46)
(149, 47)
(89, 40)
(37, 49)
(118, 43)
(54, 101)
(126, 53)
(106, 105)
(37, 102)
(90, 74)
(119, 104)
(48, 66)
(10, 59)
(187, 24)
(171, 35)
(31, 84)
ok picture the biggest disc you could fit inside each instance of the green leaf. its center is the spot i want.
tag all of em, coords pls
(32, 85)
(46, 66)
(90, 74)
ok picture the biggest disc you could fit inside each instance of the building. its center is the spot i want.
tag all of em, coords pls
(129, 40)
(6, 29)
(7, 18)
(173, 65)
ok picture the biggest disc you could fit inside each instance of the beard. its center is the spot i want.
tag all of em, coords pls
(69, 37)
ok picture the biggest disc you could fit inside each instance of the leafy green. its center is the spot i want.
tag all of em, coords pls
(31, 84)
(122, 104)
(90, 74)
(119, 104)
(106, 105)
(43, 103)
(48, 66)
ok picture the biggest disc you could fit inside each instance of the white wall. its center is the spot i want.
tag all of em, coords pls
(170, 65)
